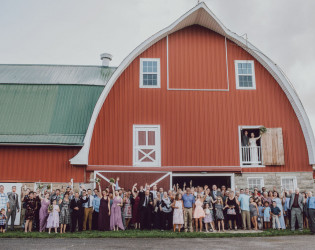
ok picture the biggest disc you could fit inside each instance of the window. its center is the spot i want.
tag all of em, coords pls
(150, 73)
(245, 75)
(146, 146)
(255, 182)
(288, 183)
(250, 149)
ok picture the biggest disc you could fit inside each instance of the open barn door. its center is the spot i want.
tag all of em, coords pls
(272, 147)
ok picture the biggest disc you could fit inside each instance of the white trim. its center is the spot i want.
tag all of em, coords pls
(290, 177)
(158, 73)
(158, 180)
(157, 146)
(237, 74)
(240, 128)
(197, 167)
(102, 176)
(209, 21)
(261, 178)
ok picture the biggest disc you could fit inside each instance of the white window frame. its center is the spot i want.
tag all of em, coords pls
(241, 128)
(261, 180)
(237, 74)
(156, 129)
(289, 177)
(158, 72)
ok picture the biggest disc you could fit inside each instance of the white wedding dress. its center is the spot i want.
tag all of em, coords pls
(253, 151)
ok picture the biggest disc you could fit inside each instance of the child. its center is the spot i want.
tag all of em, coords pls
(53, 218)
(209, 217)
(275, 213)
(260, 215)
(3, 219)
(253, 212)
(219, 213)
(266, 215)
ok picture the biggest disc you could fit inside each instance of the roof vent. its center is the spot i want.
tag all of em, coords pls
(105, 57)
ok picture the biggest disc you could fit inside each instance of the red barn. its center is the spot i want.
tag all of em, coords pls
(176, 109)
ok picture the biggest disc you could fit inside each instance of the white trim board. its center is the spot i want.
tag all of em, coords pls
(203, 16)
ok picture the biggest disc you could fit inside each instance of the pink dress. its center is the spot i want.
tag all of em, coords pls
(199, 213)
(115, 214)
(53, 218)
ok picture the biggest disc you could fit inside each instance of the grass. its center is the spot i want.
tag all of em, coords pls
(148, 234)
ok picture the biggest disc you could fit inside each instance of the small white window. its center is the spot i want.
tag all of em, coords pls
(150, 73)
(245, 75)
(255, 182)
(288, 183)
(146, 146)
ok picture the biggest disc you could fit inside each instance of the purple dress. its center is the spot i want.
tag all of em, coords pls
(43, 215)
(103, 217)
(115, 215)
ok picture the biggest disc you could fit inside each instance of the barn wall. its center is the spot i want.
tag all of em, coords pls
(38, 163)
(198, 128)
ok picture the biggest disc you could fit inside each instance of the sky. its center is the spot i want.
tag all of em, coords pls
(78, 31)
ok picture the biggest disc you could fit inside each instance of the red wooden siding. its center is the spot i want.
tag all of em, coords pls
(198, 128)
(38, 163)
(195, 64)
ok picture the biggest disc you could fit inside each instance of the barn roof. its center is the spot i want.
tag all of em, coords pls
(203, 16)
(48, 104)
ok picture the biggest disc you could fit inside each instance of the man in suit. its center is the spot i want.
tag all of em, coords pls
(77, 211)
(145, 207)
(12, 207)
(215, 193)
(245, 139)
(296, 207)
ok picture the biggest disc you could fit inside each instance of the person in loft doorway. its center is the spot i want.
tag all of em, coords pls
(253, 149)
(245, 144)
(245, 139)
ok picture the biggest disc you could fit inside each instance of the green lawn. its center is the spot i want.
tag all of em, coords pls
(149, 234)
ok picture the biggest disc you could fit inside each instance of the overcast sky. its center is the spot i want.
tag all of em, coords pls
(77, 31)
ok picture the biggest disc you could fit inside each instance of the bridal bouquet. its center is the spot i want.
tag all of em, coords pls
(112, 180)
(263, 130)
(97, 180)
(50, 208)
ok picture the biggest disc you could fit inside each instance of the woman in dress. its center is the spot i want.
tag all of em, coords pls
(199, 214)
(209, 217)
(64, 218)
(279, 205)
(30, 204)
(157, 211)
(135, 208)
(253, 212)
(53, 218)
(127, 209)
(178, 215)
(104, 210)
(219, 213)
(115, 216)
(43, 212)
(232, 207)
(253, 148)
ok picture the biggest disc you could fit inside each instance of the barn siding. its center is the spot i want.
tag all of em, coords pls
(198, 128)
(39, 163)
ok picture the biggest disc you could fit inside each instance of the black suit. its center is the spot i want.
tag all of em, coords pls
(218, 194)
(77, 215)
(145, 209)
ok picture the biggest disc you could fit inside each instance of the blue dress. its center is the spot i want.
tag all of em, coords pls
(281, 218)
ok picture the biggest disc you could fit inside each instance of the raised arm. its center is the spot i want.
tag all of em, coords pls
(133, 190)
(257, 138)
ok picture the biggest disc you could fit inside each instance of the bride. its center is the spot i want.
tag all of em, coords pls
(253, 148)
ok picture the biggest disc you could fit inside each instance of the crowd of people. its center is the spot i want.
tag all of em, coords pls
(189, 208)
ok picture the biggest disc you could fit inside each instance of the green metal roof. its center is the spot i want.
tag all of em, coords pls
(46, 114)
(55, 74)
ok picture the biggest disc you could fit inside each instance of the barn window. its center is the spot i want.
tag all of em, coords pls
(245, 74)
(150, 73)
(146, 146)
(250, 149)
(255, 182)
(288, 183)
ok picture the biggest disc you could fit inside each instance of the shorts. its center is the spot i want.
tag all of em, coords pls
(266, 219)
(2, 227)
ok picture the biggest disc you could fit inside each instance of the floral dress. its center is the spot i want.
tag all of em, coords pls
(127, 209)
(219, 212)
(64, 212)
(30, 205)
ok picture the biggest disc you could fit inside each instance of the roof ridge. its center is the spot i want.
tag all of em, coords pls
(62, 65)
